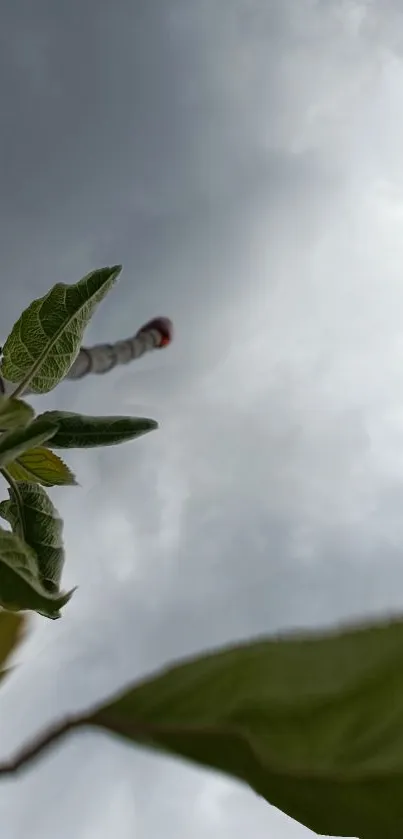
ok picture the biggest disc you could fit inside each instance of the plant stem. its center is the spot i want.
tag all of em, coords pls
(43, 741)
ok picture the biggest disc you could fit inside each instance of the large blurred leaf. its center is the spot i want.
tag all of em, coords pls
(46, 339)
(42, 466)
(34, 517)
(14, 443)
(312, 724)
(78, 431)
(20, 585)
(12, 631)
(14, 413)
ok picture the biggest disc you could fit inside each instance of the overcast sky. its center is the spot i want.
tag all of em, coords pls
(243, 160)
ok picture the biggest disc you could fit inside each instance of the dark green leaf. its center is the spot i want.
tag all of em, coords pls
(46, 339)
(9, 513)
(14, 413)
(14, 443)
(78, 431)
(41, 466)
(314, 724)
(34, 517)
(20, 586)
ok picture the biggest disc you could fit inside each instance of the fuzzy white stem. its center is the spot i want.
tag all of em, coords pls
(102, 358)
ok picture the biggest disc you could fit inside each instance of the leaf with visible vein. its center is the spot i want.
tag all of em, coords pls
(46, 339)
(14, 443)
(41, 466)
(20, 586)
(41, 527)
(312, 722)
(80, 431)
(14, 413)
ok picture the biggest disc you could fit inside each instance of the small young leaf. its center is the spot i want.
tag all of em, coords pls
(14, 443)
(9, 512)
(46, 339)
(34, 517)
(14, 413)
(79, 431)
(314, 723)
(41, 466)
(20, 587)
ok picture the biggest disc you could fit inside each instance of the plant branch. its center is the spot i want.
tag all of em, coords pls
(46, 739)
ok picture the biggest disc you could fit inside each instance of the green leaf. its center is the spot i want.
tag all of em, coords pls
(12, 632)
(78, 431)
(14, 443)
(41, 466)
(9, 512)
(34, 517)
(14, 413)
(46, 339)
(20, 586)
(314, 724)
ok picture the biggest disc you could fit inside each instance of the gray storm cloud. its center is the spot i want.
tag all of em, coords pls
(244, 163)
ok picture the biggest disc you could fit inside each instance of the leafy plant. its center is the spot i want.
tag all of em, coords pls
(312, 723)
(40, 350)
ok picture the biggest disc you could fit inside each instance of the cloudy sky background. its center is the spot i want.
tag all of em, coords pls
(243, 160)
